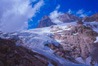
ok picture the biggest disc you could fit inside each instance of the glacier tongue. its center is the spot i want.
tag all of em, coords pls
(37, 44)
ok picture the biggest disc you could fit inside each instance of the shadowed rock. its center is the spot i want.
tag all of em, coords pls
(12, 55)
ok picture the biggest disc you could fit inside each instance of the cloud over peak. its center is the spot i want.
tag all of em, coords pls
(54, 15)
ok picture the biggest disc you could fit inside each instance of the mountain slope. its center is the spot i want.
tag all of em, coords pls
(13, 55)
(61, 44)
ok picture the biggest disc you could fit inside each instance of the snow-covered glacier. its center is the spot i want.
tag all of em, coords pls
(37, 39)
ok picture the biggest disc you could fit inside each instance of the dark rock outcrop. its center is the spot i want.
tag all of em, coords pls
(12, 55)
(45, 22)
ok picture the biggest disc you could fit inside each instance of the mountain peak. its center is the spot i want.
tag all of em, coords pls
(45, 17)
(68, 17)
(45, 22)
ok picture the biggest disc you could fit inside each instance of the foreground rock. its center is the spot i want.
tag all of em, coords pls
(12, 55)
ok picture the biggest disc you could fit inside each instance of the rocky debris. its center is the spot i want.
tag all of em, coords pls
(91, 18)
(94, 54)
(45, 22)
(12, 55)
(76, 42)
(68, 18)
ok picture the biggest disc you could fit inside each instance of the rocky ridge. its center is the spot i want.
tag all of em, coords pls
(67, 18)
(45, 22)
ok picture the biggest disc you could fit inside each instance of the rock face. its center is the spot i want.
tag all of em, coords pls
(91, 18)
(77, 42)
(45, 22)
(12, 55)
(68, 18)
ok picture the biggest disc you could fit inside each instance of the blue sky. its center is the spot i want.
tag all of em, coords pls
(88, 7)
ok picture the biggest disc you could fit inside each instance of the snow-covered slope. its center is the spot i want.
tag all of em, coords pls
(93, 25)
(37, 39)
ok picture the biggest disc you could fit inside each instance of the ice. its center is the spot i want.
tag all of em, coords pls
(96, 64)
(50, 64)
(79, 59)
(88, 60)
(37, 44)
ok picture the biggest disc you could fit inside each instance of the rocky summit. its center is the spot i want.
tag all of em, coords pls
(45, 22)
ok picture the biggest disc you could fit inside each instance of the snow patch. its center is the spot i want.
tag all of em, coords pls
(87, 61)
(96, 40)
(79, 59)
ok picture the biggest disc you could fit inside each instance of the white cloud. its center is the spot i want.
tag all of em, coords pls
(14, 14)
(57, 7)
(82, 13)
(70, 11)
(53, 15)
